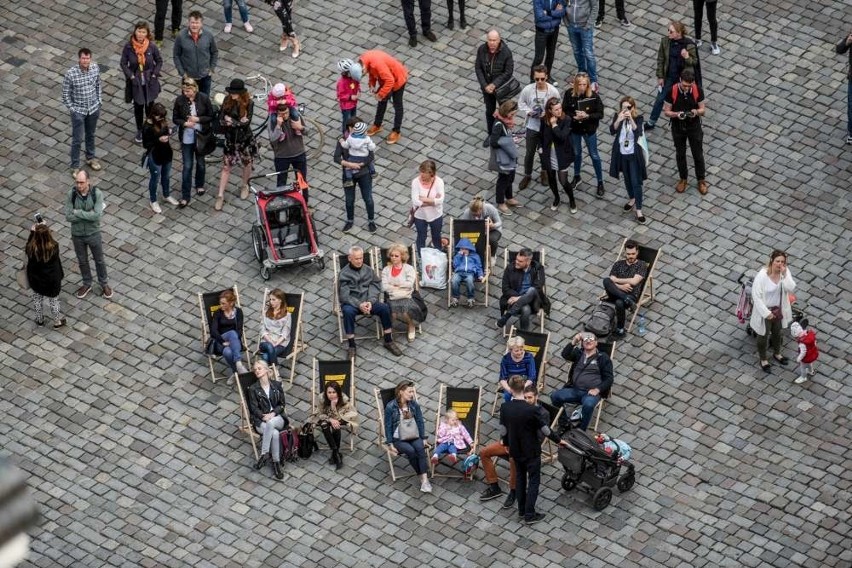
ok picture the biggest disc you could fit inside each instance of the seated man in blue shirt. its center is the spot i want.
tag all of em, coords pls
(591, 375)
(523, 290)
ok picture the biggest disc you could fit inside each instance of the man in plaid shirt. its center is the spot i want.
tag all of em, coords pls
(81, 93)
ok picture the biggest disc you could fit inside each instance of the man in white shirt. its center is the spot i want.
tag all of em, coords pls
(531, 101)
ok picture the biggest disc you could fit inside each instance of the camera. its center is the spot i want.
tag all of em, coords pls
(681, 115)
(39, 219)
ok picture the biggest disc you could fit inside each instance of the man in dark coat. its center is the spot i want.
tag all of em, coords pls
(523, 290)
(520, 426)
(494, 66)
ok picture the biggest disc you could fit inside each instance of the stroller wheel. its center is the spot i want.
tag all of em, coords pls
(264, 272)
(321, 263)
(257, 243)
(568, 484)
(602, 498)
(626, 481)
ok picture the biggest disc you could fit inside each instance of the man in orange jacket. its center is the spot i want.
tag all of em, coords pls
(387, 78)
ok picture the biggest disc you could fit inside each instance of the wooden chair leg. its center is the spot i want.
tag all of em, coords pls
(598, 417)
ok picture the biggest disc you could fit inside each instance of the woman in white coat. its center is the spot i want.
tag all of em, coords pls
(771, 306)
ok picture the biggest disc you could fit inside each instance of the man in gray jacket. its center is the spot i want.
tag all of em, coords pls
(84, 209)
(358, 291)
(195, 53)
(579, 19)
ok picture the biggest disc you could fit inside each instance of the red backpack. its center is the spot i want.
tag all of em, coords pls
(676, 89)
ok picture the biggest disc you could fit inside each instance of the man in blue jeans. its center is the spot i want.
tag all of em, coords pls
(84, 208)
(81, 95)
(843, 47)
(591, 376)
(580, 18)
(358, 291)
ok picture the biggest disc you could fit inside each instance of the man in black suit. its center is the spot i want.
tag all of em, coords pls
(520, 425)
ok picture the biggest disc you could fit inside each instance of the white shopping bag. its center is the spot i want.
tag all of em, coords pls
(434, 268)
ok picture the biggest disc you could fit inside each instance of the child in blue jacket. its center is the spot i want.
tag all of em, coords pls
(466, 266)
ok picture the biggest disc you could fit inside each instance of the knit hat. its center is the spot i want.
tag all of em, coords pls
(796, 329)
(359, 128)
(278, 90)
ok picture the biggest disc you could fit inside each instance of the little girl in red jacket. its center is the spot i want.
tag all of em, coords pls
(808, 352)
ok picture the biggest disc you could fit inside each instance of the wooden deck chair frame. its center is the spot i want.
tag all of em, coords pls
(208, 303)
(295, 305)
(381, 254)
(337, 262)
(383, 396)
(466, 401)
(538, 344)
(242, 384)
(342, 371)
(538, 256)
(477, 231)
(650, 255)
(549, 450)
(609, 349)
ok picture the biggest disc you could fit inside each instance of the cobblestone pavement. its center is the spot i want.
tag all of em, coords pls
(135, 457)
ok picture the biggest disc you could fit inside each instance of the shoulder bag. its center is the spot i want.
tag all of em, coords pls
(508, 90)
(408, 430)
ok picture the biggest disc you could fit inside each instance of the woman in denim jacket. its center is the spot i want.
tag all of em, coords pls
(404, 407)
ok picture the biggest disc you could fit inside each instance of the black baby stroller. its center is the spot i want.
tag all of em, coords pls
(744, 305)
(284, 233)
(592, 469)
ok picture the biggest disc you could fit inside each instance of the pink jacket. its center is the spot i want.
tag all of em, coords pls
(289, 99)
(346, 88)
(457, 435)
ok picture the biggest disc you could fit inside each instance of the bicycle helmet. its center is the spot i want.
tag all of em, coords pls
(347, 65)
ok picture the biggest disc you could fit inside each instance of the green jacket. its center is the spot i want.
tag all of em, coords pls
(84, 213)
(663, 58)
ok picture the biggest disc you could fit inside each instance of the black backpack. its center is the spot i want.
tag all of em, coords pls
(307, 442)
(601, 321)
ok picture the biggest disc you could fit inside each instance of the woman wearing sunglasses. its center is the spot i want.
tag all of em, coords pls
(627, 156)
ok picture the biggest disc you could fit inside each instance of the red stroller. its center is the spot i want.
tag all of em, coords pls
(284, 233)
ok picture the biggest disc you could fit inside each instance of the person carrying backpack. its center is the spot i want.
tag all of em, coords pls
(684, 105)
(624, 283)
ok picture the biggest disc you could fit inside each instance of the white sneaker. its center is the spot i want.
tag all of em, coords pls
(155, 207)
(800, 380)
(714, 49)
(172, 200)
(248, 27)
(228, 28)
(241, 368)
(426, 487)
(698, 43)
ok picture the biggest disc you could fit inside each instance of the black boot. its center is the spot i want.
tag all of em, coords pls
(462, 21)
(338, 460)
(449, 14)
(264, 459)
(276, 470)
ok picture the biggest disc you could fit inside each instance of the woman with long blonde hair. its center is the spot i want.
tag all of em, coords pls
(44, 272)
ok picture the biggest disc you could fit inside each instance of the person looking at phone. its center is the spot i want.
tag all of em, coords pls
(627, 127)
(685, 106)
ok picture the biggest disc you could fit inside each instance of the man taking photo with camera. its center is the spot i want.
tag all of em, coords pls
(684, 105)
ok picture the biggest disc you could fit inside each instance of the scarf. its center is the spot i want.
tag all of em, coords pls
(140, 47)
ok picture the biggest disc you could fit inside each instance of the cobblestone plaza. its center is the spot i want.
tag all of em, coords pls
(135, 457)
